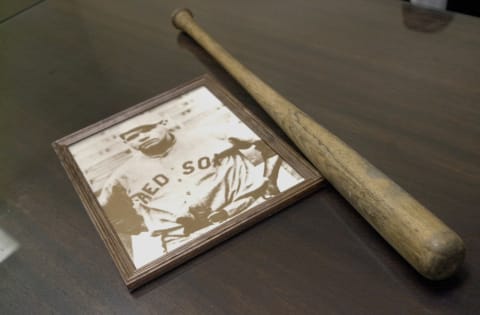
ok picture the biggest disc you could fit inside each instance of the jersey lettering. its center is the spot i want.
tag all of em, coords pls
(203, 163)
(161, 180)
(141, 196)
(156, 183)
(188, 168)
(149, 189)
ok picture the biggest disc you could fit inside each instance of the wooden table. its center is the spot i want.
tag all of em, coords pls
(375, 73)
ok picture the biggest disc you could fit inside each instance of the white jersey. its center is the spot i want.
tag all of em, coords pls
(189, 176)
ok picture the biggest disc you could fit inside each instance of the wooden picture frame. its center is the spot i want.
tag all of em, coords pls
(111, 158)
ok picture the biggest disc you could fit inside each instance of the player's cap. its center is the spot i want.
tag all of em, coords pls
(140, 122)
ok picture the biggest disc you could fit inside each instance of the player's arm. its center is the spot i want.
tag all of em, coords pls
(236, 136)
(109, 189)
(270, 172)
(118, 208)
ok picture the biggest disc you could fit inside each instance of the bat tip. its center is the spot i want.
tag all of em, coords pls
(176, 13)
(444, 255)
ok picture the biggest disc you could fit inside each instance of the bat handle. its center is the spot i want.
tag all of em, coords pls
(430, 246)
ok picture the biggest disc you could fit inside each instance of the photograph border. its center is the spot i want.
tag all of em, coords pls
(133, 277)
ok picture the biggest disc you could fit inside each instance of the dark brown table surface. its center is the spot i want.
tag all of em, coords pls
(406, 96)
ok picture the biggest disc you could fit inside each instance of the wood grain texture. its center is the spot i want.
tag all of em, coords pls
(430, 246)
(407, 101)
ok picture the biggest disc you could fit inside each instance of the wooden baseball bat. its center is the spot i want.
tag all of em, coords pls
(430, 246)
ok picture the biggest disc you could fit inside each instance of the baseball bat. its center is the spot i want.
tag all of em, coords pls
(430, 246)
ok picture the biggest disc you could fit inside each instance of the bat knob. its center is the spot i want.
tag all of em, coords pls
(177, 15)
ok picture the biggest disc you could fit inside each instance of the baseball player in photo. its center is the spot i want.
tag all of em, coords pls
(179, 181)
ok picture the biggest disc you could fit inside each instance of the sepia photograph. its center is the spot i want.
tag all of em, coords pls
(178, 170)
(172, 176)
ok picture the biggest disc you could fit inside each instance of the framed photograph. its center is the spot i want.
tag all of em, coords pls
(171, 177)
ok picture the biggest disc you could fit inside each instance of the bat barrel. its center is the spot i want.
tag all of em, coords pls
(430, 246)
